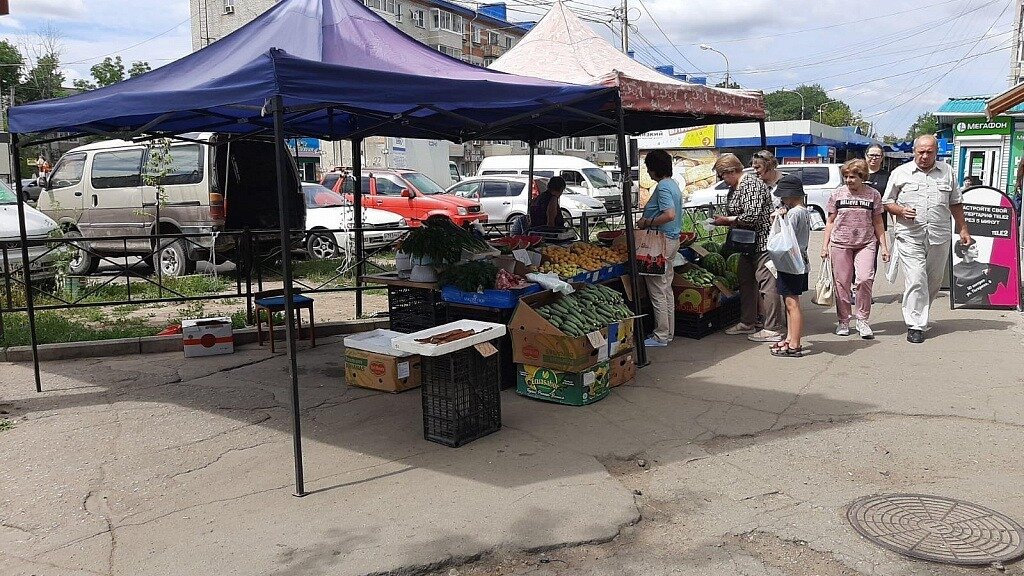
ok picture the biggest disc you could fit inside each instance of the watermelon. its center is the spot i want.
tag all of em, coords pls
(711, 246)
(713, 263)
(732, 264)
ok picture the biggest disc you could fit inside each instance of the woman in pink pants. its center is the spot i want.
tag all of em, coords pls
(853, 233)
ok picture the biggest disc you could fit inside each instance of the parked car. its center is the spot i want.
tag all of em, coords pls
(819, 182)
(504, 198)
(715, 194)
(328, 211)
(30, 188)
(39, 229)
(407, 193)
(100, 193)
(580, 175)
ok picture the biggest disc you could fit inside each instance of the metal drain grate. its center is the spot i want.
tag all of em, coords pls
(937, 529)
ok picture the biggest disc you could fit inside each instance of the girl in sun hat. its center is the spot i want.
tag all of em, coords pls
(790, 191)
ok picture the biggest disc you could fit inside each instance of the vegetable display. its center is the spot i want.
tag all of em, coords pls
(579, 257)
(469, 276)
(590, 308)
(441, 241)
(711, 246)
(699, 277)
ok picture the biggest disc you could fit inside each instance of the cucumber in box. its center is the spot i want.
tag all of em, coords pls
(572, 388)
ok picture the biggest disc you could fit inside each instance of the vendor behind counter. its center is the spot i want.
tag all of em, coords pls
(545, 211)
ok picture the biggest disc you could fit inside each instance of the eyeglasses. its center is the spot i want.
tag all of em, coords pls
(722, 173)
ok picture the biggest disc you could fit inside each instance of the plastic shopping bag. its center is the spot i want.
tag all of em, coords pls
(783, 248)
(823, 289)
(652, 256)
(891, 271)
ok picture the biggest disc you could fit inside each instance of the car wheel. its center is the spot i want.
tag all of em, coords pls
(82, 261)
(173, 259)
(322, 246)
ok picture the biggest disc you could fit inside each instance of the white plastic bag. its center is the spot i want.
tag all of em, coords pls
(894, 258)
(783, 248)
(823, 289)
(550, 281)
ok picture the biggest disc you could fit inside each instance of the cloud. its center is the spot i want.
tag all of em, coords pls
(60, 9)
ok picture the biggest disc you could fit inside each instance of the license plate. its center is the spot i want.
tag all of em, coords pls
(391, 236)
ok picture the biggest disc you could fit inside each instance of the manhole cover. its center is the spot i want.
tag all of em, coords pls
(937, 529)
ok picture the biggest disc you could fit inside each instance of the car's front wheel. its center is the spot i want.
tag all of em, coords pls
(322, 246)
(83, 262)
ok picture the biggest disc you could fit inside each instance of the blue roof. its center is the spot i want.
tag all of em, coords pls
(971, 105)
(852, 141)
(341, 70)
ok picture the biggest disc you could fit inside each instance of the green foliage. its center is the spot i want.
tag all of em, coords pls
(43, 81)
(469, 276)
(53, 327)
(138, 68)
(6, 424)
(11, 65)
(239, 319)
(110, 71)
(926, 123)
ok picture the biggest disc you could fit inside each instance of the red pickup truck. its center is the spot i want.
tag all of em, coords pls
(408, 193)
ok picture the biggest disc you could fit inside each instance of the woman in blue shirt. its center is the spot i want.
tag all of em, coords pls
(662, 213)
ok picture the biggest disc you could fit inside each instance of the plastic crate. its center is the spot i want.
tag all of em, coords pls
(728, 311)
(461, 399)
(698, 326)
(414, 309)
(507, 367)
(488, 298)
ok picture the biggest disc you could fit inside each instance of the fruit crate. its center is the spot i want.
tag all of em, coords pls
(461, 399)
(414, 309)
(506, 368)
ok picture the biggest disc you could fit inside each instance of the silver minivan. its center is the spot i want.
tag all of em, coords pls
(107, 191)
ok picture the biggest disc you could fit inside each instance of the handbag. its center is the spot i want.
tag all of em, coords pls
(740, 241)
(824, 294)
(784, 249)
(651, 252)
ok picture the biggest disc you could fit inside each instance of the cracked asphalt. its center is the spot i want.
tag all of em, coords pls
(718, 459)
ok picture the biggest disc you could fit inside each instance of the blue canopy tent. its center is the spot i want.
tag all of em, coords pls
(328, 69)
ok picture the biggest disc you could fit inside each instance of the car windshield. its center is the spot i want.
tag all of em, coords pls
(7, 196)
(422, 183)
(599, 178)
(318, 196)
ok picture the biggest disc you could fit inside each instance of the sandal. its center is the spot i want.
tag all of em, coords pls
(777, 346)
(787, 352)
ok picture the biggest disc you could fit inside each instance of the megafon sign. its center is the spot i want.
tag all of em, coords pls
(999, 125)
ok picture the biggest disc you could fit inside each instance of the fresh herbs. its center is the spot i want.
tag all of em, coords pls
(469, 276)
(441, 241)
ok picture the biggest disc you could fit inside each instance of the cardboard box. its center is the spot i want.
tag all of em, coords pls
(571, 388)
(537, 342)
(371, 362)
(207, 337)
(622, 369)
(695, 299)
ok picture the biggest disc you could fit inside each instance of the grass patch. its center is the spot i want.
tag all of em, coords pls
(6, 424)
(54, 327)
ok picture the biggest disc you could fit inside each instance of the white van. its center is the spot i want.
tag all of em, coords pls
(582, 176)
(102, 193)
(820, 180)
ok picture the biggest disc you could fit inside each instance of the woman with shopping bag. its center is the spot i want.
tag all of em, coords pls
(853, 232)
(657, 244)
(787, 247)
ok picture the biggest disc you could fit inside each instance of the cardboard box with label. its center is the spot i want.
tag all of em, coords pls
(537, 342)
(371, 362)
(207, 337)
(572, 388)
(622, 369)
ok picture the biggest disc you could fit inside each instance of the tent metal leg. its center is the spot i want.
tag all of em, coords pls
(26, 266)
(284, 213)
(627, 208)
(764, 135)
(357, 202)
(529, 175)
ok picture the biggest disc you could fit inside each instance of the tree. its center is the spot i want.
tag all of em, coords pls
(785, 105)
(110, 71)
(44, 78)
(11, 65)
(732, 85)
(925, 124)
(139, 67)
(891, 139)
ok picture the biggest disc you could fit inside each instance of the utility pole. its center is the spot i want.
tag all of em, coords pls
(625, 26)
(1017, 54)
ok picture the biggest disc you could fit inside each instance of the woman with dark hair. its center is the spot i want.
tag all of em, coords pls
(662, 212)
(544, 210)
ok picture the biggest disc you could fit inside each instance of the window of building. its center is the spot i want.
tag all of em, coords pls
(229, 6)
(508, 41)
(574, 144)
(444, 20)
(494, 38)
(417, 18)
(606, 144)
(476, 35)
(488, 61)
(453, 52)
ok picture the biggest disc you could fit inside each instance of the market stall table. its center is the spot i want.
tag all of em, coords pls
(412, 306)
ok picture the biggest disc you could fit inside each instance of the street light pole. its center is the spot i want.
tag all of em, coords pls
(797, 92)
(720, 53)
(821, 109)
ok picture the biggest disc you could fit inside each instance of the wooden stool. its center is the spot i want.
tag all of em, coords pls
(273, 301)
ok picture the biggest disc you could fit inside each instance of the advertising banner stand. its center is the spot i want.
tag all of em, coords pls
(986, 274)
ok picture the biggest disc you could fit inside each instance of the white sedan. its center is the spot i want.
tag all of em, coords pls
(504, 198)
(39, 228)
(329, 218)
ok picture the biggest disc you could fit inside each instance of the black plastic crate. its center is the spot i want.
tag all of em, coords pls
(506, 368)
(414, 309)
(698, 326)
(461, 399)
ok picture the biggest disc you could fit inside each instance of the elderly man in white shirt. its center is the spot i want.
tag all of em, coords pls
(923, 196)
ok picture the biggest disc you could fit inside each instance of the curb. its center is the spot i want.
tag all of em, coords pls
(158, 344)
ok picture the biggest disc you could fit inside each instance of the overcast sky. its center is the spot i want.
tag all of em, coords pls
(890, 59)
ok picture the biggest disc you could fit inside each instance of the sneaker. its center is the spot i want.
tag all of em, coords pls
(740, 328)
(653, 342)
(843, 329)
(865, 330)
(765, 336)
